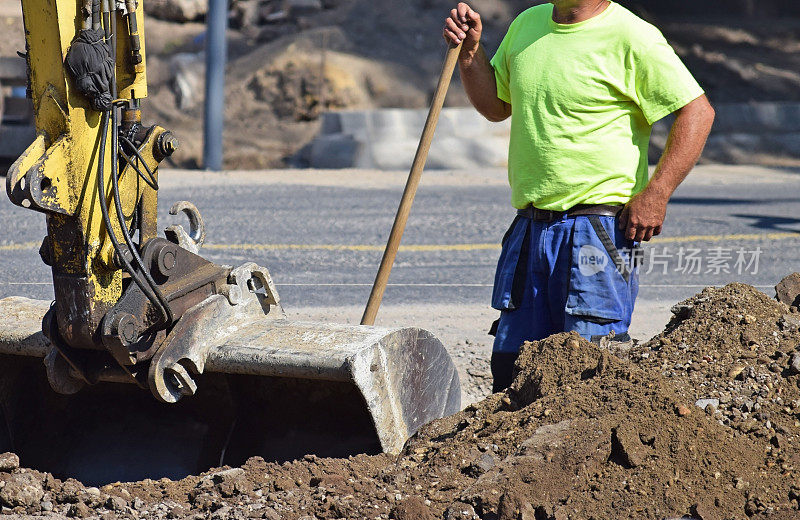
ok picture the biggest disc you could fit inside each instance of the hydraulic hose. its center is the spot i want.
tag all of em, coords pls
(148, 286)
(146, 289)
(162, 302)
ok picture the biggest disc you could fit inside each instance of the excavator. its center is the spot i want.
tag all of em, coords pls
(152, 361)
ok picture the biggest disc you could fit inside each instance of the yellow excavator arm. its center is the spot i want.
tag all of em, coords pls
(147, 310)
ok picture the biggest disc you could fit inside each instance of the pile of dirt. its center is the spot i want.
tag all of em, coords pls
(581, 434)
(734, 352)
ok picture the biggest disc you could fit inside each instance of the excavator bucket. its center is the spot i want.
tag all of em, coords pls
(236, 383)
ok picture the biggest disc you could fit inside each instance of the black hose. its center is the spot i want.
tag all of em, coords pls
(134, 167)
(138, 155)
(107, 219)
(162, 302)
(150, 289)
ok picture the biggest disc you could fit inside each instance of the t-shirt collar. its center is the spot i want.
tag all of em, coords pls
(572, 27)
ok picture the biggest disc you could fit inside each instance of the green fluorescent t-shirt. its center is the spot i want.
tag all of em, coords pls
(583, 98)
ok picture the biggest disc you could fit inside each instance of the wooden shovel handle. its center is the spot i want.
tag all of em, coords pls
(389, 254)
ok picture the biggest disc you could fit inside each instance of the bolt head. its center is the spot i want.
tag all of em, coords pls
(126, 327)
(167, 260)
(168, 143)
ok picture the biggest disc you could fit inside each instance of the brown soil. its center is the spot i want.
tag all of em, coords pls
(737, 347)
(582, 434)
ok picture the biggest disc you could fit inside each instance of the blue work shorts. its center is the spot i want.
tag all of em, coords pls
(575, 273)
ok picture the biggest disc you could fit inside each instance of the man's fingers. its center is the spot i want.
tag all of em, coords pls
(657, 231)
(641, 232)
(462, 9)
(454, 28)
(648, 234)
(630, 232)
(450, 37)
(623, 219)
(457, 18)
(474, 17)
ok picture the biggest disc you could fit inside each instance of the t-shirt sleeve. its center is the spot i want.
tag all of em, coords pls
(663, 84)
(500, 65)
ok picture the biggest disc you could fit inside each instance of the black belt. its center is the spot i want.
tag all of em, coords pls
(545, 215)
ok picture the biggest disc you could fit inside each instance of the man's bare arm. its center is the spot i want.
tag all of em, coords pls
(644, 215)
(477, 75)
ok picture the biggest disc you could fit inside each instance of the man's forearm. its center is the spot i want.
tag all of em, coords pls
(644, 214)
(685, 144)
(477, 75)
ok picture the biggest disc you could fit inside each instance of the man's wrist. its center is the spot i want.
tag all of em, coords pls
(467, 56)
(658, 190)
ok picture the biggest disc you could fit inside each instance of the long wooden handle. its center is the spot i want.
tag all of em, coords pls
(389, 254)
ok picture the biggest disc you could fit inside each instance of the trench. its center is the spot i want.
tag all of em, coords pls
(114, 432)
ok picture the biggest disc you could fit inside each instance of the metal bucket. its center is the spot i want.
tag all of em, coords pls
(274, 388)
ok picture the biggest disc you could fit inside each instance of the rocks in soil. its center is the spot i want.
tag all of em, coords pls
(411, 508)
(21, 489)
(627, 447)
(79, 510)
(303, 7)
(704, 404)
(514, 507)
(788, 289)
(187, 80)
(794, 365)
(734, 347)
(460, 511)
(176, 10)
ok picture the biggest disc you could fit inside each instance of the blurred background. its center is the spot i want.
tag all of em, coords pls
(305, 79)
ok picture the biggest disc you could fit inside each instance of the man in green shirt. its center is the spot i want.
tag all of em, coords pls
(583, 82)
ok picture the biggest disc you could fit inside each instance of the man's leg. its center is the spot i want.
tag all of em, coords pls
(520, 295)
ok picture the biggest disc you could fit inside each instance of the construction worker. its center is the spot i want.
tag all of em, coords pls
(583, 82)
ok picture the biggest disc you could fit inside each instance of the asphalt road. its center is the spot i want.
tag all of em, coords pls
(321, 234)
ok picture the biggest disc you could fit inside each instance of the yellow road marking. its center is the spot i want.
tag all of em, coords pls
(354, 247)
(484, 247)
(421, 248)
(721, 238)
(19, 247)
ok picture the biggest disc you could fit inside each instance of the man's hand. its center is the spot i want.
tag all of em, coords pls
(643, 215)
(464, 25)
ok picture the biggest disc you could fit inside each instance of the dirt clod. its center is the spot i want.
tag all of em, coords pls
(8, 462)
(412, 508)
(21, 489)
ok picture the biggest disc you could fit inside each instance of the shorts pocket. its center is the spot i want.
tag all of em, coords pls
(600, 276)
